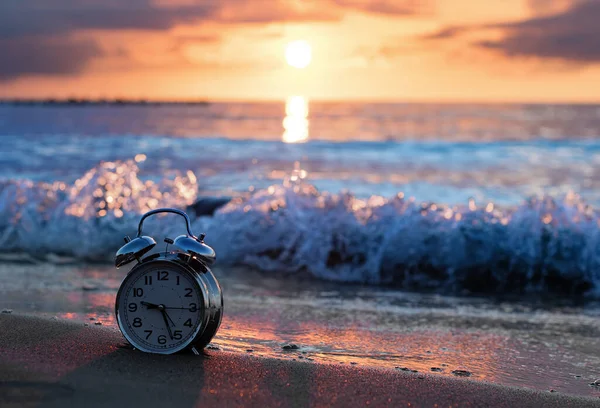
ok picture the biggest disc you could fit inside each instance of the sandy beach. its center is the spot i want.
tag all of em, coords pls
(51, 362)
(530, 344)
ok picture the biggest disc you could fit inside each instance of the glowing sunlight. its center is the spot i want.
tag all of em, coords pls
(298, 54)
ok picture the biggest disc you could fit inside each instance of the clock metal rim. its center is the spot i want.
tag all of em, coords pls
(202, 326)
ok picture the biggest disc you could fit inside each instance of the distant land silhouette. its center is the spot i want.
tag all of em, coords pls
(96, 102)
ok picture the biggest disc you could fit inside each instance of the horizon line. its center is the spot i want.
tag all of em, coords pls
(205, 101)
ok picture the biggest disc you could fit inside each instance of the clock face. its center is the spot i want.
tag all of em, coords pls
(160, 308)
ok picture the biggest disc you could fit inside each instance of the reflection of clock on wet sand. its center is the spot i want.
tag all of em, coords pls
(169, 301)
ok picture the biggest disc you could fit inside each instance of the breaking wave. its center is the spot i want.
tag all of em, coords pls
(544, 244)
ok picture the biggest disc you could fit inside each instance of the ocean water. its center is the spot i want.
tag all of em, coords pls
(479, 198)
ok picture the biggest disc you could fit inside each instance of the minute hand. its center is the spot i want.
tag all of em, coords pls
(164, 314)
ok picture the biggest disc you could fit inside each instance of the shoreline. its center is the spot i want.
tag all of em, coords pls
(511, 344)
(53, 362)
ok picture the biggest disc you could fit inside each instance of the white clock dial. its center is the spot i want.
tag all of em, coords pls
(160, 308)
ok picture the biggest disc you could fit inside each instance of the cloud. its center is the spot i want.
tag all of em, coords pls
(35, 56)
(55, 17)
(271, 11)
(544, 7)
(52, 17)
(390, 7)
(571, 35)
(41, 17)
(444, 33)
(37, 36)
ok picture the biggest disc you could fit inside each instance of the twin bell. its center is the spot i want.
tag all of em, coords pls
(135, 248)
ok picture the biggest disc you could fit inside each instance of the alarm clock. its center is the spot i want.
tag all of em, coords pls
(169, 301)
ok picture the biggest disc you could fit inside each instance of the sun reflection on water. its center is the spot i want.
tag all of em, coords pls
(295, 123)
(418, 349)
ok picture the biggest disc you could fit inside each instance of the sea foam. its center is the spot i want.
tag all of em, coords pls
(546, 243)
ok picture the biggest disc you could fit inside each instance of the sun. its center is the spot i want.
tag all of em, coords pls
(298, 54)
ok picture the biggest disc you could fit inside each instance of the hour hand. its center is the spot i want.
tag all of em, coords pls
(149, 305)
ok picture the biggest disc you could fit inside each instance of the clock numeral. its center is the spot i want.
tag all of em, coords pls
(132, 307)
(177, 280)
(162, 275)
(149, 333)
(138, 292)
(188, 323)
(137, 322)
(193, 307)
(162, 339)
(177, 334)
(188, 292)
(147, 280)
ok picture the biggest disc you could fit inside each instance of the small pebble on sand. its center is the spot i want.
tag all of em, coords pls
(596, 383)
(462, 373)
(414, 371)
(290, 346)
(403, 368)
(86, 324)
(7, 311)
(444, 365)
(213, 347)
(436, 369)
(421, 377)
(92, 318)
(353, 363)
(552, 390)
(249, 350)
(98, 323)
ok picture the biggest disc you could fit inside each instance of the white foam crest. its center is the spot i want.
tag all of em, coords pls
(545, 243)
(542, 243)
(89, 218)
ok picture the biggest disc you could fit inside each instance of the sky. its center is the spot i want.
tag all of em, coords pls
(371, 50)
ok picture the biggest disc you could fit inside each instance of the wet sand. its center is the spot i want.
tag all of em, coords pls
(513, 343)
(52, 362)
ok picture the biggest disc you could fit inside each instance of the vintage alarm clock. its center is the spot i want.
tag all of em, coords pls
(169, 301)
